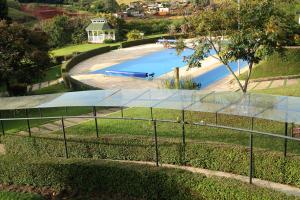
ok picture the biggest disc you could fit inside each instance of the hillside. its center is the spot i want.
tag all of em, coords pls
(276, 65)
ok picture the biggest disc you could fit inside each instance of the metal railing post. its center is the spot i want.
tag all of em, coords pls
(40, 111)
(156, 143)
(28, 122)
(151, 113)
(65, 139)
(183, 138)
(122, 112)
(2, 127)
(251, 159)
(216, 118)
(285, 140)
(96, 121)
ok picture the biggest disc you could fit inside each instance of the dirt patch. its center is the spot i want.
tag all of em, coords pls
(51, 194)
(46, 12)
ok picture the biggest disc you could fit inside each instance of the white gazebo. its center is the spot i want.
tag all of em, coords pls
(99, 30)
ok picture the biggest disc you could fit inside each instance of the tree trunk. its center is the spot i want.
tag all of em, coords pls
(245, 88)
(235, 77)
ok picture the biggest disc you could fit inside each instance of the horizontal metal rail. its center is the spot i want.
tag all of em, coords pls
(249, 131)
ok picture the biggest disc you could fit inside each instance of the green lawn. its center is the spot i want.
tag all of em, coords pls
(277, 65)
(68, 50)
(292, 90)
(198, 133)
(53, 73)
(20, 16)
(51, 89)
(5, 195)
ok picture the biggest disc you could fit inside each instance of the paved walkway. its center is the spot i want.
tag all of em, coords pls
(287, 189)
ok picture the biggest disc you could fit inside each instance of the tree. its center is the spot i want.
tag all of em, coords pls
(134, 35)
(59, 30)
(3, 9)
(23, 54)
(263, 29)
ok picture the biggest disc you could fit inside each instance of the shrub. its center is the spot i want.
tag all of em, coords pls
(134, 35)
(131, 180)
(184, 83)
(221, 157)
(108, 41)
(18, 89)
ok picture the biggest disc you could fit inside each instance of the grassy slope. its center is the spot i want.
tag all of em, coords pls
(275, 65)
(52, 73)
(5, 195)
(292, 90)
(196, 133)
(19, 16)
(134, 181)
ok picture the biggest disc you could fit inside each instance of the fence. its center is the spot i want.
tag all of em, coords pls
(182, 122)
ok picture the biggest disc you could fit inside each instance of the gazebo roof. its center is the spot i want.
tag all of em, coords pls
(98, 27)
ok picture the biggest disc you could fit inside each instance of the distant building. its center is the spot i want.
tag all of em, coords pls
(135, 12)
(99, 30)
(164, 11)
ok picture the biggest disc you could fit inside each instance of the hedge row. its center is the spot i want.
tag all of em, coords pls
(221, 157)
(131, 180)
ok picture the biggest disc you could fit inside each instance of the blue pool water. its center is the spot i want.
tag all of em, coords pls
(164, 61)
(217, 74)
(158, 63)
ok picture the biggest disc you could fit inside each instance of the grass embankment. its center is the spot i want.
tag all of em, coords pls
(291, 90)
(211, 148)
(276, 65)
(15, 126)
(5, 195)
(129, 181)
(52, 73)
(58, 88)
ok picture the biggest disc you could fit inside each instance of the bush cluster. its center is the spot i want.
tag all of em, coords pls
(221, 157)
(131, 180)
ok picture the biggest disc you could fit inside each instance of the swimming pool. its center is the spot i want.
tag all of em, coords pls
(217, 74)
(164, 61)
(158, 63)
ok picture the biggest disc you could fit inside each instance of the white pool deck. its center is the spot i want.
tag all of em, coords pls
(81, 70)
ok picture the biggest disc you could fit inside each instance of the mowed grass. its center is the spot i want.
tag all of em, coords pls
(69, 50)
(53, 73)
(58, 88)
(5, 195)
(291, 90)
(113, 127)
(276, 65)
(21, 125)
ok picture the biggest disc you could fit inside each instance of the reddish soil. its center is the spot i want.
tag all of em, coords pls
(46, 12)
